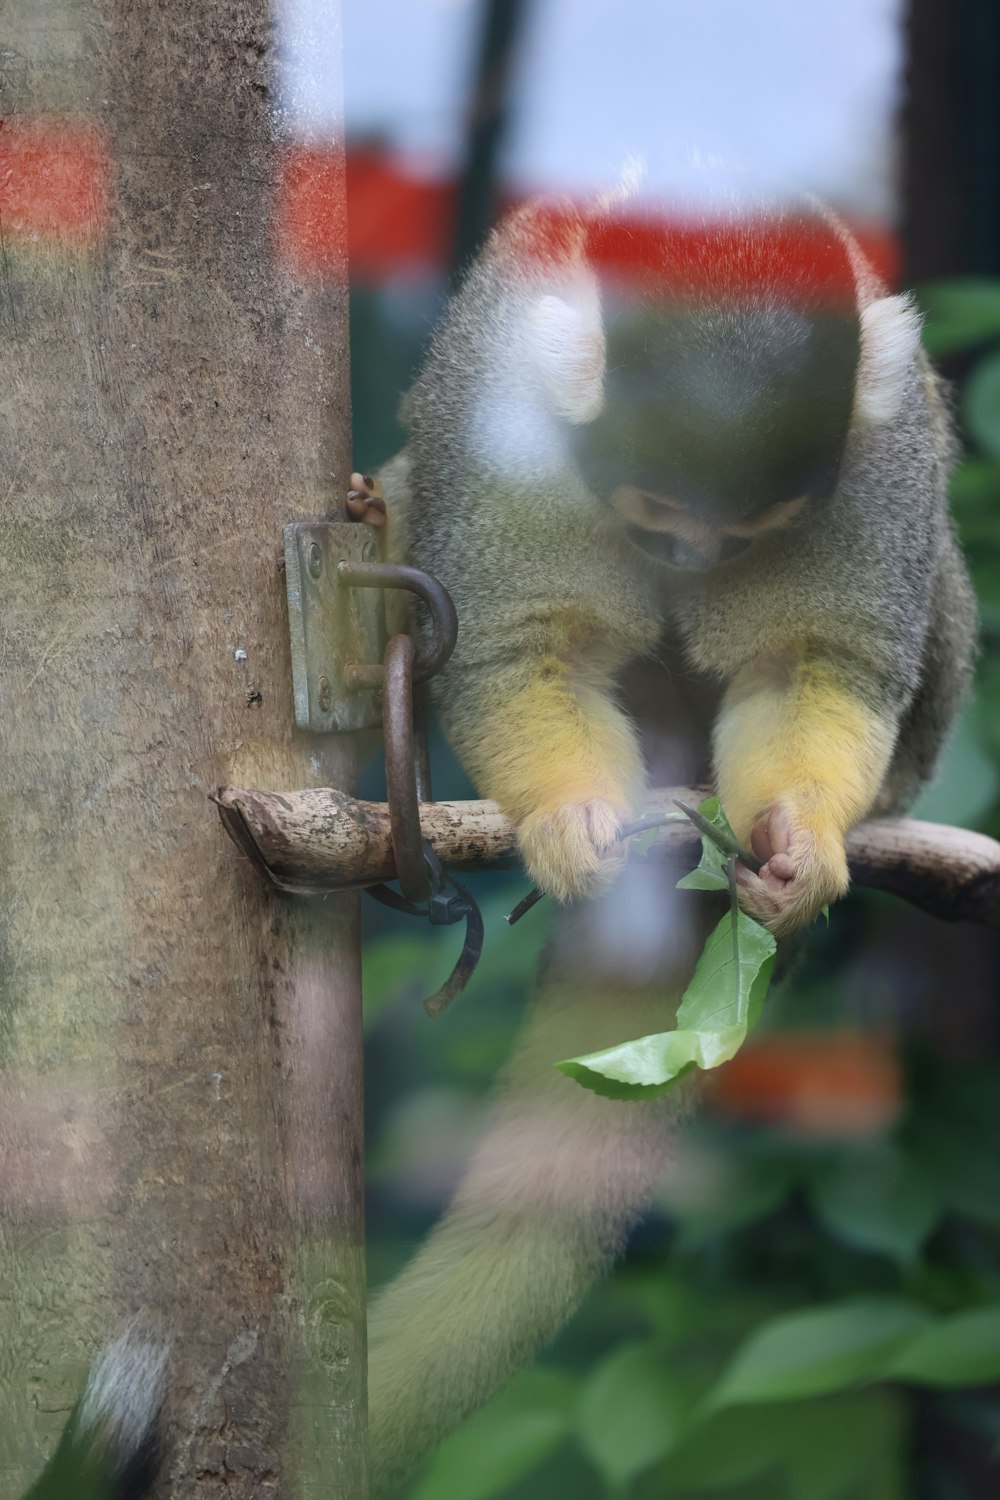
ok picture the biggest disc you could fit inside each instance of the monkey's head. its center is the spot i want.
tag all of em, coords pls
(719, 423)
(711, 404)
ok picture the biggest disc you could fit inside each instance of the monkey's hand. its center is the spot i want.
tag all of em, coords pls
(572, 850)
(804, 869)
(800, 754)
(549, 743)
(365, 501)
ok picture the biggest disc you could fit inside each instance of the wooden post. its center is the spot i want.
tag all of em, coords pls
(180, 1100)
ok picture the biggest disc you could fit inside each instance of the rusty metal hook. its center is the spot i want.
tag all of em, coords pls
(432, 654)
(400, 768)
(425, 887)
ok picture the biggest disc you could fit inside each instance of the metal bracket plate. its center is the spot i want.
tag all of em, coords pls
(332, 626)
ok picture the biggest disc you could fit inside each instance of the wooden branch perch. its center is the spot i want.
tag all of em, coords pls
(321, 840)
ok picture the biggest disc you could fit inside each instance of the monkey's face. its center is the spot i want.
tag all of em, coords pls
(679, 537)
(720, 424)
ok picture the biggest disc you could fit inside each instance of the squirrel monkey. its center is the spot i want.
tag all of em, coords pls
(741, 453)
(750, 459)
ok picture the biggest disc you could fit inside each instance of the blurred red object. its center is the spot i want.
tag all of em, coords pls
(310, 209)
(55, 177)
(399, 222)
(54, 182)
(396, 221)
(840, 1083)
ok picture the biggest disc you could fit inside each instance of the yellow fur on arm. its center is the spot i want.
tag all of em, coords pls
(794, 732)
(550, 741)
(550, 745)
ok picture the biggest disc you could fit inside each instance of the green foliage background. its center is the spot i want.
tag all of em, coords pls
(805, 1316)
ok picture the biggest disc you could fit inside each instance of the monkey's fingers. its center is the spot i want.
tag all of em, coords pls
(802, 871)
(777, 872)
(574, 849)
(771, 841)
(365, 501)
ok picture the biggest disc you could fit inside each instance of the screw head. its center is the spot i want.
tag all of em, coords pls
(325, 695)
(315, 560)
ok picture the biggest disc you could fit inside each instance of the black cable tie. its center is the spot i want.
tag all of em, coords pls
(448, 903)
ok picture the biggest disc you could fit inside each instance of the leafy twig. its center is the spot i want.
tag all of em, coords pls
(720, 838)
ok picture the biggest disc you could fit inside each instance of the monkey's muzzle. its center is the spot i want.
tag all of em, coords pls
(672, 551)
(672, 536)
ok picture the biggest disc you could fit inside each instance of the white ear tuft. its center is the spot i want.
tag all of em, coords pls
(890, 338)
(633, 174)
(567, 343)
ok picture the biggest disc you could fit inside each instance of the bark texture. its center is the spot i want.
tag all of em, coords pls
(181, 1077)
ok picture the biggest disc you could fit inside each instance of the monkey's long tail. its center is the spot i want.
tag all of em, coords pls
(549, 1197)
(108, 1448)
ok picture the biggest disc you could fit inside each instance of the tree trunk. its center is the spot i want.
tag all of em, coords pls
(181, 1089)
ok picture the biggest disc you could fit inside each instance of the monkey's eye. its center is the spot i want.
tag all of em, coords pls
(661, 502)
(648, 508)
(771, 519)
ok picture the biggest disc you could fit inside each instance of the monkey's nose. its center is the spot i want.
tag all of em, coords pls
(698, 557)
(682, 554)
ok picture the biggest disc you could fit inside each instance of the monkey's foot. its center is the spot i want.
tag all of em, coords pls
(801, 873)
(568, 850)
(365, 501)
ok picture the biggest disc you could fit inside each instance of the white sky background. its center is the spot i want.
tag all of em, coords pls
(797, 93)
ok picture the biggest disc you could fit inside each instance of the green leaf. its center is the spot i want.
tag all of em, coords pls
(878, 1200)
(728, 1448)
(730, 982)
(630, 1414)
(874, 1463)
(505, 1441)
(710, 873)
(801, 1445)
(961, 1350)
(960, 314)
(813, 1353)
(821, 1465)
(981, 405)
(721, 1004)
